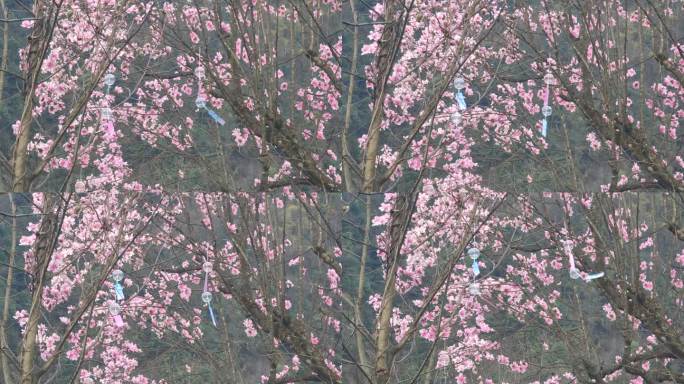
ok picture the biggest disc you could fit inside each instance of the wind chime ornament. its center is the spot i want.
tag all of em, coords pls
(474, 254)
(201, 101)
(114, 307)
(459, 84)
(106, 114)
(546, 109)
(206, 295)
(115, 312)
(109, 80)
(574, 272)
(474, 287)
(118, 275)
(456, 118)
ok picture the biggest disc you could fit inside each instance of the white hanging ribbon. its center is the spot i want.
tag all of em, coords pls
(574, 272)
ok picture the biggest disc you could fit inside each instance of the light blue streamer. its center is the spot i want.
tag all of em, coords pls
(215, 116)
(544, 126)
(461, 101)
(118, 289)
(594, 276)
(476, 268)
(211, 313)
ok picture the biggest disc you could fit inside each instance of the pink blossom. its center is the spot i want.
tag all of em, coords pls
(250, 331)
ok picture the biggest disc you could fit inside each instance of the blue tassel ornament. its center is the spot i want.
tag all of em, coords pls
(476, 268)
(459, 84)
(118, 289)
(215, 116)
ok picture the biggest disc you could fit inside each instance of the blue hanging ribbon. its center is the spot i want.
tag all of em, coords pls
(461, 101)
(211, 313)
(476, 268)
(544, 126)
(118, 289)
(215, 116)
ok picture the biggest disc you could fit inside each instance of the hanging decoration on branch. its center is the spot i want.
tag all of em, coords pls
(459, 84)
(574, 272)
(474, 254)
(109, 80)
(114, 307)
(474, 287)
(201, 101)
(456, 118)
(115, 312)
(106, 114)
(118, 275)
(546, 109)
(206, 295)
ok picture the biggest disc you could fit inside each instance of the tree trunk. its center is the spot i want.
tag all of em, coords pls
(383, 65)
(4, 345)
(43, 247)
(36, 52)
(384, 354)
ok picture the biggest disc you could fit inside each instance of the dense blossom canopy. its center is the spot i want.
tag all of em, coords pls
(291, 190)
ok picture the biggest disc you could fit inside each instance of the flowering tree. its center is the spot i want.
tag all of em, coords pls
(393, 242)
(316, 312)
